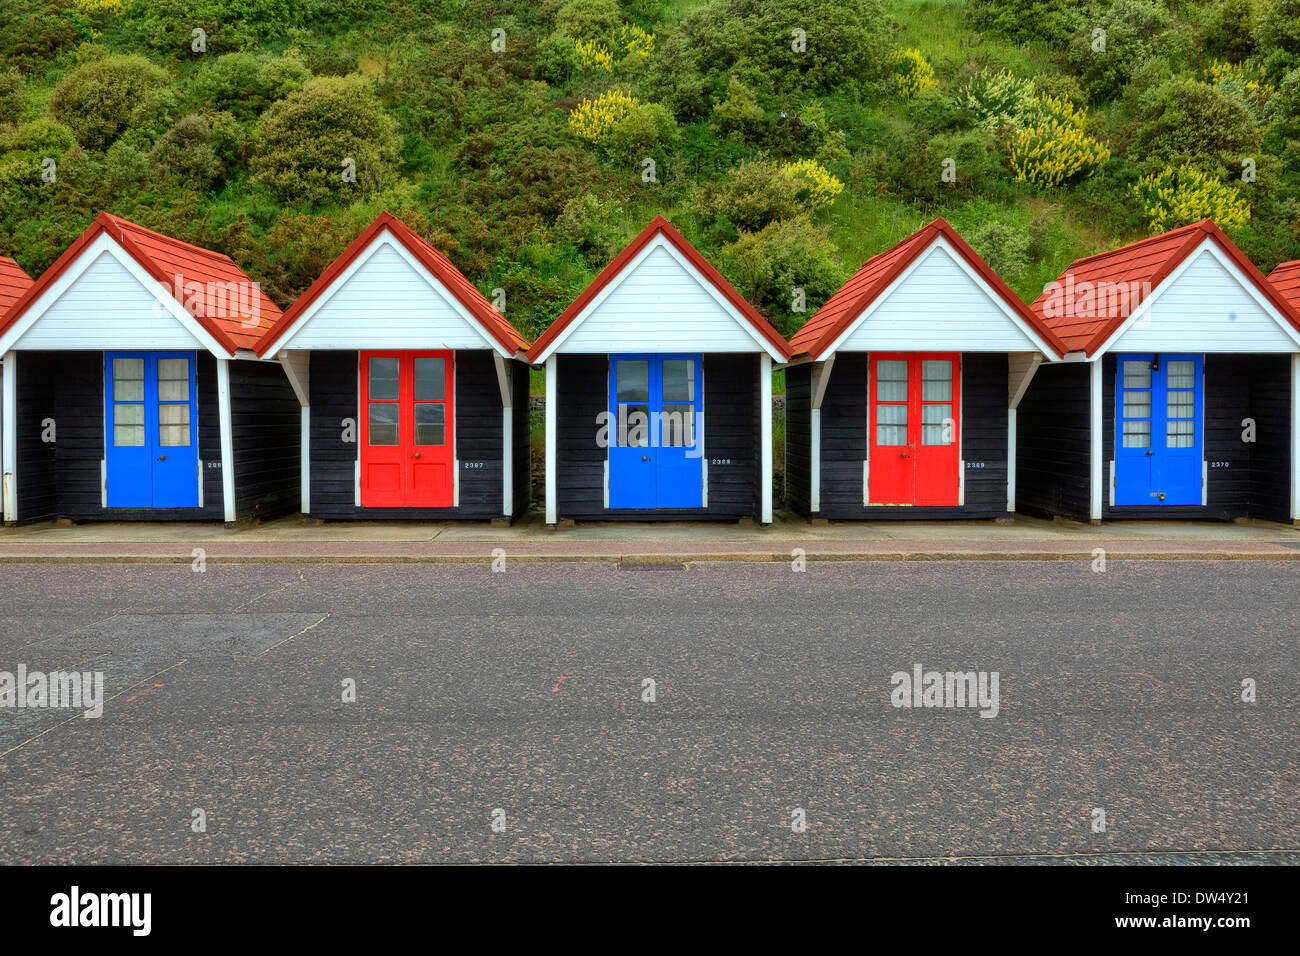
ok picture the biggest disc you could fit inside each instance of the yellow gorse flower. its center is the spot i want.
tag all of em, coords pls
(912, 73)
(811, 175)
(98, 6)
(594, 56)
(1176, 197)
(593, 119)
(636, 41)
(1053, 147)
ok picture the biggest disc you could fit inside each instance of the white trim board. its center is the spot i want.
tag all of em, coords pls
(1151, 328)
(935, 323)
(102, 258)
(374, 323)
(649, 334)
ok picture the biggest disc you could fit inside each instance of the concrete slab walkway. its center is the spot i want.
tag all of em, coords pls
(293, 540)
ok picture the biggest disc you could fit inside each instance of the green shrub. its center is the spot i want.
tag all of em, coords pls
(1049, 21)
(998, 103)
(649, 130)
(1179, 196)
(102, 100)
(739, 117)
(1226, 31)
(302, 142)
(588, 19)
(1054, 147)
(963, 163)
(1277, 34)
(184, 155)
(245, 84)
(752, 195)
(557, 58)
(1189, 120)
(1004, 247)
(587, 222)
(767, 267)
(11, 97)
(1136, 31)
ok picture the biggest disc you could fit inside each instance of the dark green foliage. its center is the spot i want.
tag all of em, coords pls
(767, 267)
(1226, 31)
(1135, 32)
(1047, 21)
(1188, 121)
(102, 100)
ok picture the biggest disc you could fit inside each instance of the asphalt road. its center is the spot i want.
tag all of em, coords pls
(521, 691)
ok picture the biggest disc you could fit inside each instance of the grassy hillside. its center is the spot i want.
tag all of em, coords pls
(788, 139)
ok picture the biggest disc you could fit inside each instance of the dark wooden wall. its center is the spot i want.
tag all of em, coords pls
(798, 436)
(731, 432)
(844, 444)
(333, 380)
(1053, 432)
(267, 439)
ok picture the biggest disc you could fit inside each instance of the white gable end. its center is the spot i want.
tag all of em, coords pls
(939, 304)
(105, 306)
(660, 303)
(385, 299)
(1207, 305)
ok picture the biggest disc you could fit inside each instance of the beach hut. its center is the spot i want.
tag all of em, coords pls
(412, 388)
(902, 393)
(131, 390)
(1177, 398)
(658, 392)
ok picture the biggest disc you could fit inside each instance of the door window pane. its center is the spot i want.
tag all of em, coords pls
(174, 425)
(128, 380)
(891, 424)
(633, 426)
(430, 424)
(383, 380)
(936, 420)
(1180, 374)
(679, 380)
(677, 426)
(430, 380)
(891, 380)
(173, 380)
(1137, 404)
(936, 381)
(1137, 374)
(633, 381)
(128, 425)
(1137, 434)
(1180, 434)
(1181, 404)
(383, 423)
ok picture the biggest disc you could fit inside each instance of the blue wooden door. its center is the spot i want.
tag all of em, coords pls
(151, 430)
(657, 424)
(1158, 436)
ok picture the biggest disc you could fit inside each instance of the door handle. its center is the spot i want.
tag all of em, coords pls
(1149, 451)
(162, 457)
(1162, 496)
(645, 457)
(417, 454)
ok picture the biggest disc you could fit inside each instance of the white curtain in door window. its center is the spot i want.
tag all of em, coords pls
(1180, 374)
(891, 424)
(936, 381)
(1137, 374)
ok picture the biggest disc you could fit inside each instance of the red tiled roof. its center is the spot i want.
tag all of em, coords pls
(1286, 279)
(176, 265)
(433, 260)
(879, 272)
(659, 226)
(1140, 267)
(13, 283)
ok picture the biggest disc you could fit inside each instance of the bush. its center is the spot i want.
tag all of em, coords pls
(245, 84)
(1226, 31)
(1004, 247)
(752, 195)
(1177, 197)
(1244, 83)
(912, 72)
(557, 58)
(594, 119)
(1277, 34)
(962, 163)
(998, 103)
(1053, 147)
(739, 117)
(1188, 120)
(1136, 31)
(100, 101)
(844, 45)
(813, 183)
(185, 155)
(587, 222)
(767, 267)
(588, 19)
(1049, 21)
(303, 140)
(647, 130)
(11, 97)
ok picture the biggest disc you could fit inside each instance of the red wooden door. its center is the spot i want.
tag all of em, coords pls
(407, 445)
(914, 425)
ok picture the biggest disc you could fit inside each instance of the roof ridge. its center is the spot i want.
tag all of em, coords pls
(212, 253)
(1191, 227)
